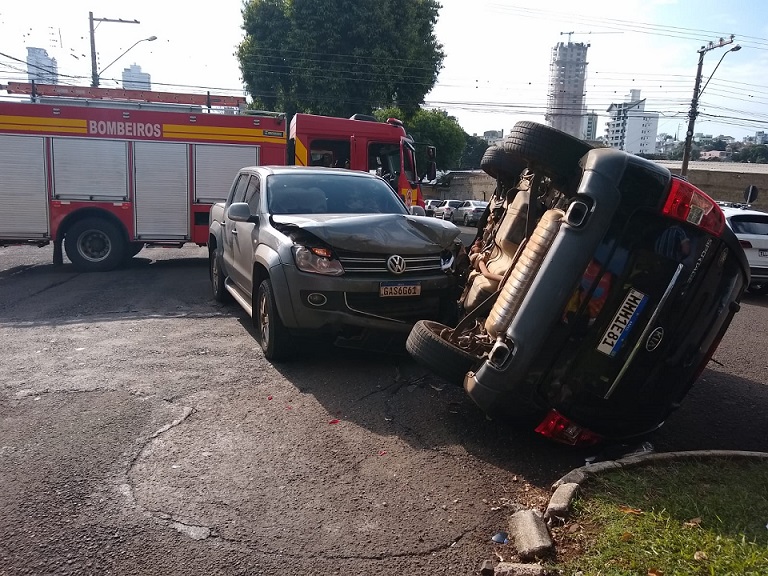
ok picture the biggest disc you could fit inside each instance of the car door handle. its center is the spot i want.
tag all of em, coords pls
(234, 231)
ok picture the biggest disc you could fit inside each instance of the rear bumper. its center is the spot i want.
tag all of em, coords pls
(758, 274)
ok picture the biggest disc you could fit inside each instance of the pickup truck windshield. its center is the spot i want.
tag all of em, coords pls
(342, 193)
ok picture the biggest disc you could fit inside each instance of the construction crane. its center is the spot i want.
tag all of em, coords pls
(571, 33)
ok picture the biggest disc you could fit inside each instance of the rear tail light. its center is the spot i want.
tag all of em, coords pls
(557, 427)
(745, 243)
(689, 204)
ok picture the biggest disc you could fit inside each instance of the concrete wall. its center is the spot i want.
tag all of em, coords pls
(721, 182)
(730, 186)
(464, 186)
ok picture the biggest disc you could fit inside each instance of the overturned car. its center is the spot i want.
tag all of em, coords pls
(600, 285)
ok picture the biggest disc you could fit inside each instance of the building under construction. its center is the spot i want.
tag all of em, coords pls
(565, 99)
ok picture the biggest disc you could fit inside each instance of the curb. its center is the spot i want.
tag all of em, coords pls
(567, 488)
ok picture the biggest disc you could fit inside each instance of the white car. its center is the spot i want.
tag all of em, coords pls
(470, 211)
(751, 228)
(447, 209)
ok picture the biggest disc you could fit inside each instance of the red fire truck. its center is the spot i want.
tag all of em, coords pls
(105, 172)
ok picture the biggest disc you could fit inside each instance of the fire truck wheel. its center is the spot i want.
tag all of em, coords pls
(272, 335)
(552, 152)
(220, 293)
(94, 245)
(496, 160)
(444, 359)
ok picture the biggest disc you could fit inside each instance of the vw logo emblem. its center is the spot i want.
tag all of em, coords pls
(654, 339)
(396, 264)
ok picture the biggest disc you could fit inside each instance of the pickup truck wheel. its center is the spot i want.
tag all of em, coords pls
(273, 337)
(94, 245)
(220, 293)
(444, 359)
(497, 160)
(552, 152)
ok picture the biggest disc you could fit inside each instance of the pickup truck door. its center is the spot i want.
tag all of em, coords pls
(230, 227)
(246, 239)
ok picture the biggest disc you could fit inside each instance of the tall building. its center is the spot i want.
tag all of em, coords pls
(630, 127)
(590, 126)
(41, 67)
(565, 98)
(135, 79)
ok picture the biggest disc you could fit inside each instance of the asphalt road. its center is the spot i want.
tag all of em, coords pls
(142, 432)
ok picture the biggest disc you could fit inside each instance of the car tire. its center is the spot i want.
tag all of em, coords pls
(272, 335)
(441, 357)
(497, 160)
(553, 153)
(95, 245)
(218, 279)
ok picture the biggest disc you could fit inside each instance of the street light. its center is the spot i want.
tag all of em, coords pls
(150, 39)
(91, 20)
(697, 93)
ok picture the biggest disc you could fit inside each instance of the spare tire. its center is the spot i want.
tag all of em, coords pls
(549, 151)
(496, 160)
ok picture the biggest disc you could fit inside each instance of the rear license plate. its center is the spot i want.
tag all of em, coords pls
(394, 289)
(763, 253)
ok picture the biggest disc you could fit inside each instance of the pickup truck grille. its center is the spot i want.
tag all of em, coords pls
(357, 263)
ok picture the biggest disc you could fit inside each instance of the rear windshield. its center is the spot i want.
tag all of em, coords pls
(748, 224)
(330, 194)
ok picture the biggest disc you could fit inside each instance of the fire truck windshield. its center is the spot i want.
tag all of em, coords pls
(389, 155)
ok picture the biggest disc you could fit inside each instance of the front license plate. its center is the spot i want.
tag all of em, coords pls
(763, 253)
(394, 289)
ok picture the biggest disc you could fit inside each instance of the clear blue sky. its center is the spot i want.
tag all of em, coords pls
(497, 53)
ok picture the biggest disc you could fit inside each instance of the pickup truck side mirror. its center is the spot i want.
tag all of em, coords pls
(241, 212)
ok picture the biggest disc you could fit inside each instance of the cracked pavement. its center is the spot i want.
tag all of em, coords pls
(142, 432)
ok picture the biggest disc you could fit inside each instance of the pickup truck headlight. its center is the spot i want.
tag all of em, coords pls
(317, 261)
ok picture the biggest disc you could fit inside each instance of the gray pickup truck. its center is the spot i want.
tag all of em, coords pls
(314, 251)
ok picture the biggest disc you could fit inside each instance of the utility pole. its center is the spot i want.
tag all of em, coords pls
(695, 100)
(91, 20)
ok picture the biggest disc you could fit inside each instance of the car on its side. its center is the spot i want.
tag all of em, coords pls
(446, 209)
(311, 251)
(600, 286)
(751, 228)
(470, 211)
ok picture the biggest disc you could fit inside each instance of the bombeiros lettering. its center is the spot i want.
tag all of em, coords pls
(112, 128)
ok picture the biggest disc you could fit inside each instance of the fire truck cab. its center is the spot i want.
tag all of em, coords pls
(358, 143)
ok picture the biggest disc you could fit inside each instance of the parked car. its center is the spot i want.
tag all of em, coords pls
(751, 228)
(430, 205)
(470, 211)
(324, 252)
(598, 291)
(446, 209)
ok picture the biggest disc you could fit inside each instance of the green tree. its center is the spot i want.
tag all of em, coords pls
(474, 149)
(756, 154)
(339, 57)
(431, 128)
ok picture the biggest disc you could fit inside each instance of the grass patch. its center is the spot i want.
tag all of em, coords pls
(703, 517)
